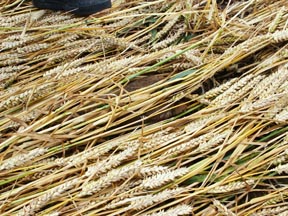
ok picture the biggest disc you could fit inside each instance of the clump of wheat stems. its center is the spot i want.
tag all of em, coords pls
(148, 108)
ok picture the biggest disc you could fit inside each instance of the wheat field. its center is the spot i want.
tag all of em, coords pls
(153, 107)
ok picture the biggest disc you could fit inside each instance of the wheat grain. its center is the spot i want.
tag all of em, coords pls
(121, 23)
(37, 203)
(10, 91)
(5, 56)
(142, 202)
(103, 67)
(83, 157)
(76, 70)
(6, 76)
(13, 69)
(66, 39)
(152, 170)
(12, 62)
(53, 18)
(69, 21)
(183, 66)
(141, 40)
(281, 169)
(223, 210)
(32, 94)
(277, 107)
(161, 179)
(11, 21)
(39, 175)
(168, 52)
(107, 39)
(283, 115)
(245, 46)
(285, 213)
(178, 210)
(170, 39)
(233, 186)
(187, 146)
(60, 68)
(193, 56)
(202, 122)
(13, 44)
(151, 141)
(273, 25)
(62, 55)
(279, 36)
(80, 43)
(266, 102)
(273, 82)
(32, 48)
(277, 57)
(213, 142)
(173, 19)
(54, 213)
(283, 87)
(270, 211)
(281, 158)
(124, 196)
(111, 162)
(20, 159)
(276, 199)
(220, 89)
(237, 90)
(228, 40)
(111, 177)
(19, 37)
